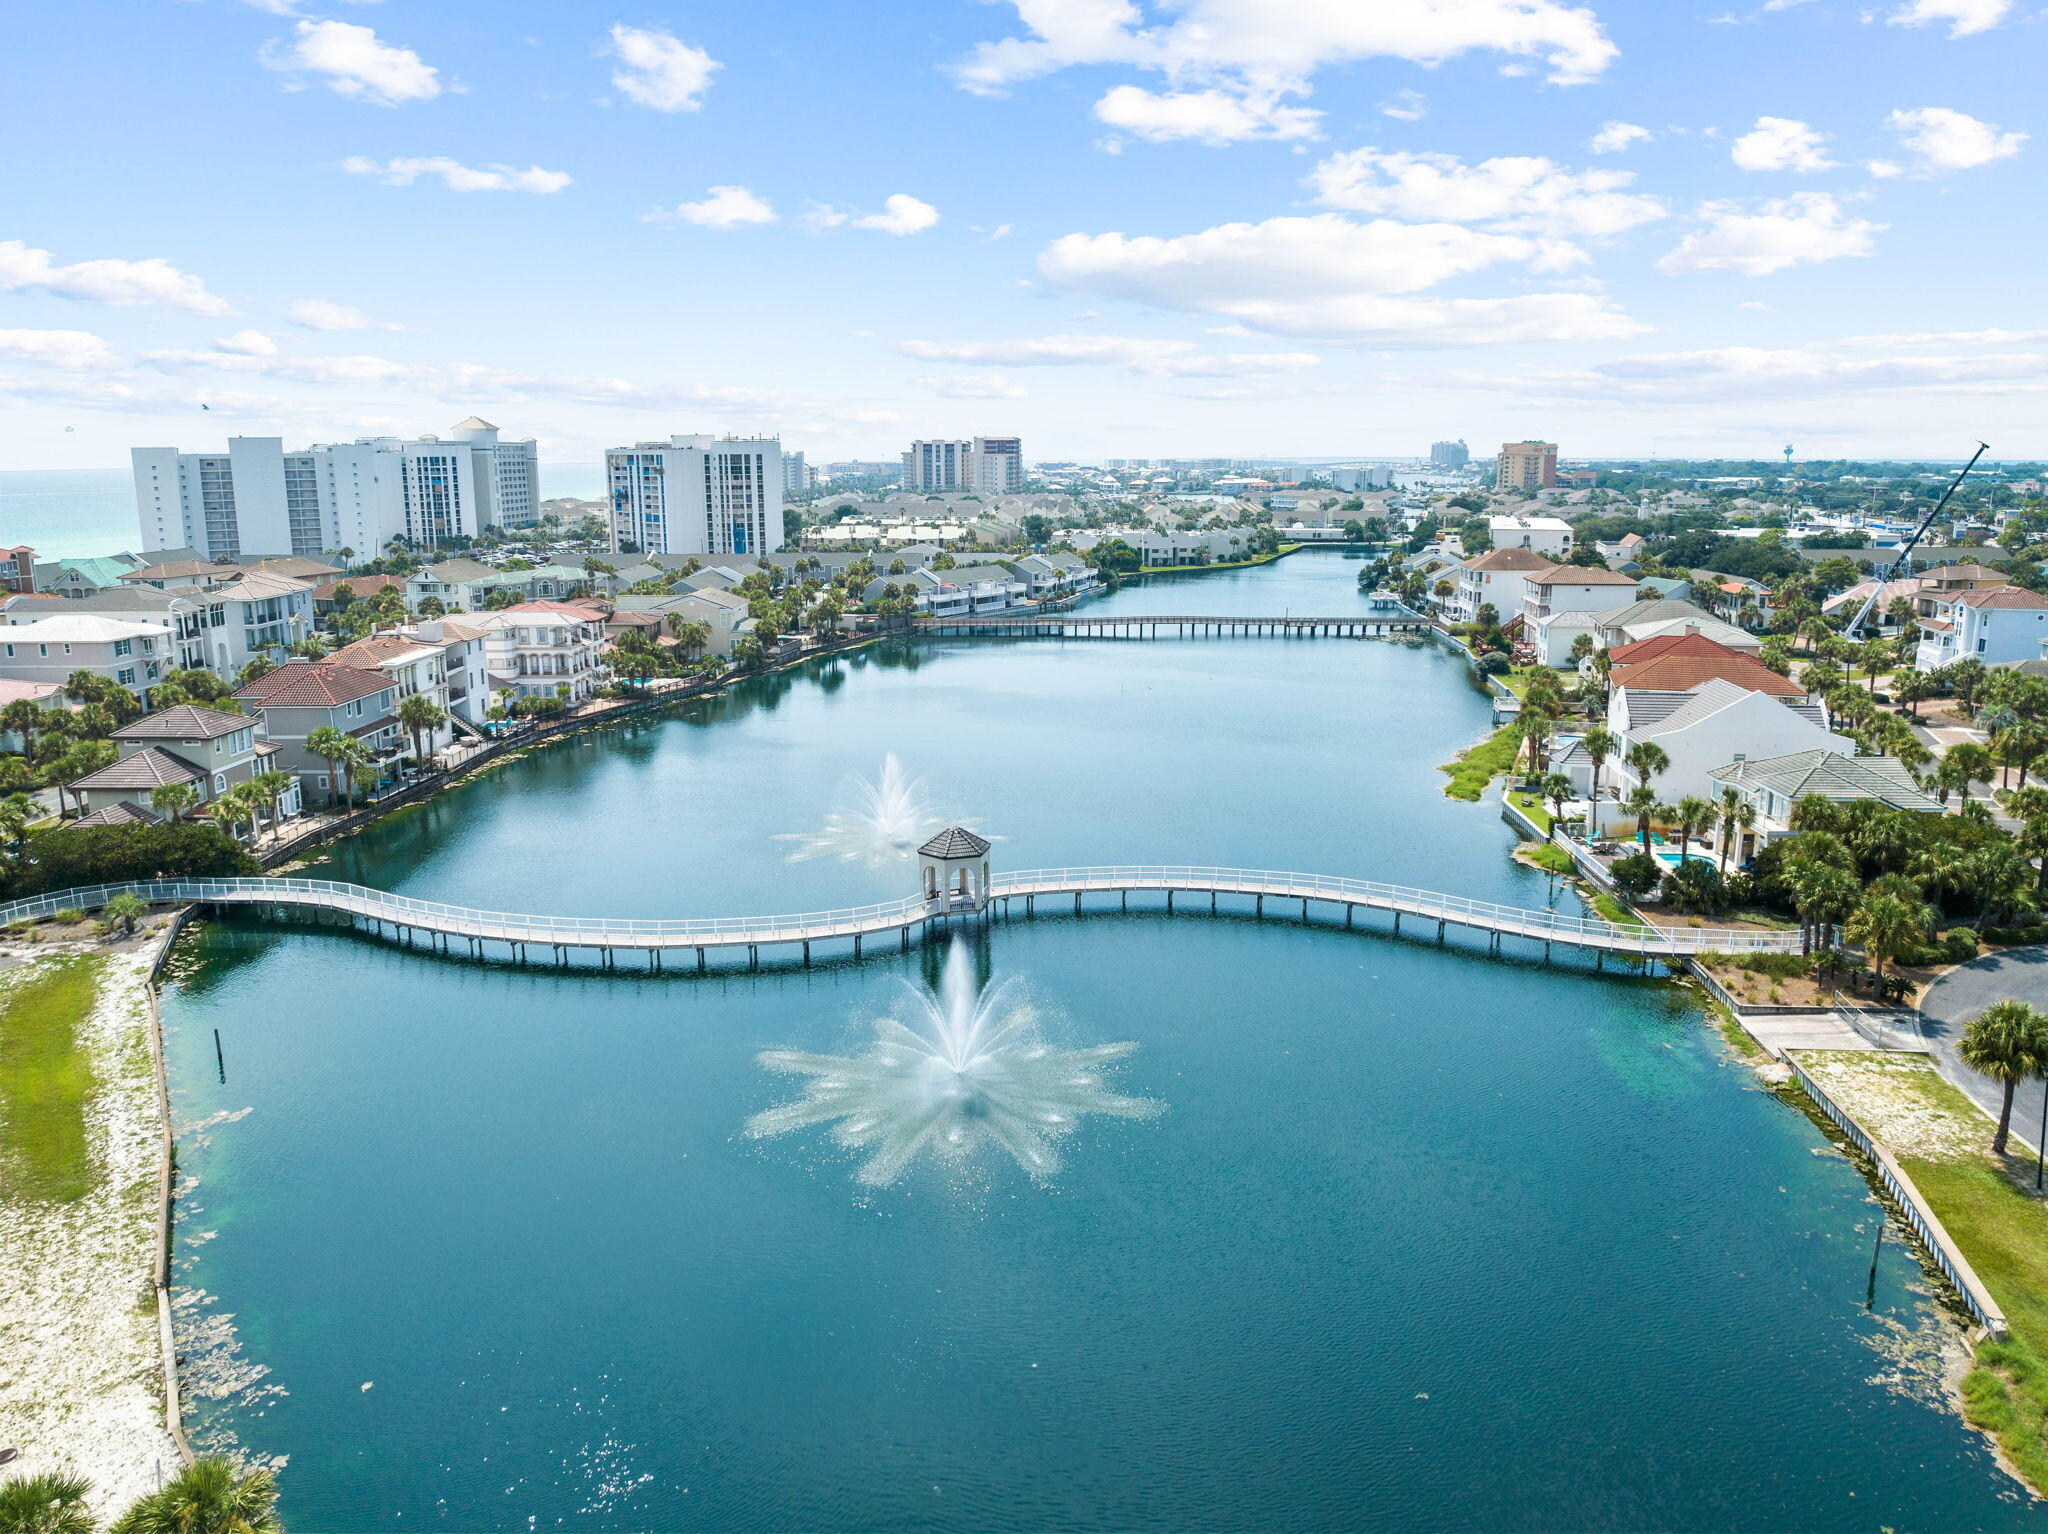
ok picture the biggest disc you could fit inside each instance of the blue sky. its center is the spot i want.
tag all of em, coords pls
(1231, 227)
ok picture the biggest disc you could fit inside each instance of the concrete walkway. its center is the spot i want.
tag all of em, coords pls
(1820, 1030)
(1962, 993)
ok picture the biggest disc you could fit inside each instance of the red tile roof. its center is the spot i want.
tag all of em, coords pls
(1665, 644)
(1682, 673)
(313, 684)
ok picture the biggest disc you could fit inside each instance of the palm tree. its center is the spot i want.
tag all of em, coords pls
(420, 714)
(174, 800)
(45, 1504)
(2007, 1041)
(23, 718)
(1642, 804)
(1886, 925)
(209, 1496)
(1599, 743)
(268, 788)
(1824, 894)
(1558, 790)
(1736, 814)
(353, 756)
(330, 745)
(124, 911)
(1694, 817)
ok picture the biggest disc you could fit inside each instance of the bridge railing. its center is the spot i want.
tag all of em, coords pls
(358, 900)
(1430, 903)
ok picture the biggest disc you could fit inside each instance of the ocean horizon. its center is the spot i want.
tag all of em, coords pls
(81, 513)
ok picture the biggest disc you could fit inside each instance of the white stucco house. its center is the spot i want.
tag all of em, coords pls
(1991, 623)
(1499, 578)
(1541, 535)
(1701, 730)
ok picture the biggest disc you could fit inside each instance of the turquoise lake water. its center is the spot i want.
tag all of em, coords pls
(1421, 1240)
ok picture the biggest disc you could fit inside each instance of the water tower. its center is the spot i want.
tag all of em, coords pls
(953, 867)
(1788, 458)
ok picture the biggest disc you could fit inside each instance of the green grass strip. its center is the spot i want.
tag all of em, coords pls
(1477, 766)
(46, 1076)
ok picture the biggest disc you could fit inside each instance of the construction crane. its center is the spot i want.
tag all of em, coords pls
(1897, 567)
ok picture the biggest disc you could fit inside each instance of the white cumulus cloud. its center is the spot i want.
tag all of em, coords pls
(1781, 143)
(122, 284)
(353, 61)
(1207, 116)
(1335, 278)
(1260, 51)
(724, 207)
(75, 351)
(1405, 106)
(973, 386)
(659, 71)
(456, 176)
(1792, 231)
(247, 343)
(901, 214)
(1941, 138)
(1963, 16)
(1519, 193)
(319, 314)
(1614, 137)
(1134, 354)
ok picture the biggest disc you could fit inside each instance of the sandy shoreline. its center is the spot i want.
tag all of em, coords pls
(81, 1373)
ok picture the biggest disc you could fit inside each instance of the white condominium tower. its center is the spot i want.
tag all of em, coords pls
(258, 499)
(697, 495)
(994, 465)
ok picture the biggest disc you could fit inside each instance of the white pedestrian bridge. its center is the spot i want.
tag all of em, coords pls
(499, 934)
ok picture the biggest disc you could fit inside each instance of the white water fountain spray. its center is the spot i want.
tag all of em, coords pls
(879, 822)
(962, 1071)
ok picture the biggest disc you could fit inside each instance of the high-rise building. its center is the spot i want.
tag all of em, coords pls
(1363, 476)
(991, 465)
(697, 495)
(797, 476)
(1526, 466)
(256, 498)
(1449, 455)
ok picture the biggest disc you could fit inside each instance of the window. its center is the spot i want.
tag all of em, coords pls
(124, 647)
(220, 782)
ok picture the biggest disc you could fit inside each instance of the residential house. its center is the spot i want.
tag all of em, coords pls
(723, 615)
(82, 577)
(1570, 588)
(211, 750)
(416, 667)
(465, 670)
(543, 649)
(1539, 535)
(254, 614)
(1047, 576)
(1499, 578)
(459, 585)
(1772, 785)
(48, 696)
(302, 696)
(1991, 623)
(18, 568)
(134, 655)
(1700, 729)
(1676, 662)
(180, 572)
(1622, 551)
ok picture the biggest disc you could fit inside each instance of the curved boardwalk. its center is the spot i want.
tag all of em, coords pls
(1167, 626)
(1276, 894)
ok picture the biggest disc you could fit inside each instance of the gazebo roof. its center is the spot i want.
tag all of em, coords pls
(954, 842)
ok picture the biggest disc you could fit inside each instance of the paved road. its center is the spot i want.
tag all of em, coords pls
(1959, 995)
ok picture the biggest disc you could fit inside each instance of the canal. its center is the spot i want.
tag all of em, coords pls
(1414, 1239)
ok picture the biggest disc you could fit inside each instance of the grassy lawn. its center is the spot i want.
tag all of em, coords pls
(1477, 766)
(1612, 910)
(1549, 857)
(1992, 1214)
(1533, 806)
(45, 1078)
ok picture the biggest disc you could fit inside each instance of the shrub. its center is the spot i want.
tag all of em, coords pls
(1493, 663)
(1959, 945)
(81, 855)
(1693, 886)
(67, 917)
(1636, 875)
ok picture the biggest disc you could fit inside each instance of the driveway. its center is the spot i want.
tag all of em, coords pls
(1958, 996)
